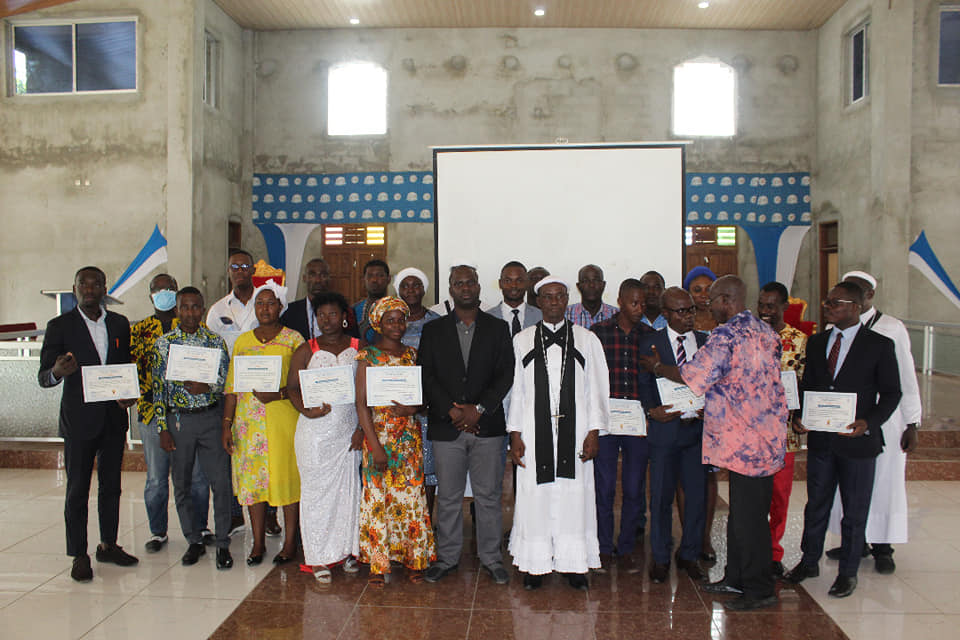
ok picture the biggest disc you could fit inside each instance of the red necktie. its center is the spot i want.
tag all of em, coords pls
(834, 356)
(681, 352)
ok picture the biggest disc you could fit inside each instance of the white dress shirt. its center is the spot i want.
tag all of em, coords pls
(689, 343)
(848, 336)
(228, 318)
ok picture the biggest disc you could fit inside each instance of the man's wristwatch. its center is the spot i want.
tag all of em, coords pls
(481, 409)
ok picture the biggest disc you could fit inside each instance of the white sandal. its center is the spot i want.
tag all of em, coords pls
(322, 573)
(350, 565)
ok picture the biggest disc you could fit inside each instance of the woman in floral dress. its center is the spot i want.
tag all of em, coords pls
(394, 523)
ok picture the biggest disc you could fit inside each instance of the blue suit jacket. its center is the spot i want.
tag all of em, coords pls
(676, 432)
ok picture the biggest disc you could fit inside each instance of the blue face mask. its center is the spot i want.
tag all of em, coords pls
(164, 300)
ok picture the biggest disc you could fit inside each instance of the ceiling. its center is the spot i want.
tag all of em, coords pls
(639, 14)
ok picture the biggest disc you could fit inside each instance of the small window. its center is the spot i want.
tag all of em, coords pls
(949, 65)
(355, 235)
(357, 100)
(858, 68)
(211, 70)
(710, 235)
(704, 98)
(78, 57)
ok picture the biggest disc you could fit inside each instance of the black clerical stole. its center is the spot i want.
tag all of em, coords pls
(563, 465)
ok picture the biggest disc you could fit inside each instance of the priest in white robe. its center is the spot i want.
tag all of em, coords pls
(559, 406)
(887, 519)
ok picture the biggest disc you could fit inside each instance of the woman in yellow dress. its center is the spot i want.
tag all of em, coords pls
(259, 427)
(394, 523)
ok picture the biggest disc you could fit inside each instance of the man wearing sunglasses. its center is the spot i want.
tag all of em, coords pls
(233, 314)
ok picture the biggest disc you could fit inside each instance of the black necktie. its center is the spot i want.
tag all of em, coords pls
(515, 325)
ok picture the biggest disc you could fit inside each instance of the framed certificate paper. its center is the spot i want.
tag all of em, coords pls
(627, 418)
(828, 411)
(789, 380)
(328, 385)
(678, 395)
(256, 373)
(196, 364)
(388, 384)
(110, 382)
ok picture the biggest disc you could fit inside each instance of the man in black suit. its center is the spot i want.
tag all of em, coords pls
(467, 360)
(675, 441)
(300, 314)
(849, 358)
(94, 431)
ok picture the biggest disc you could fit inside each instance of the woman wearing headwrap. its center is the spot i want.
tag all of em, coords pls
(698, 283)
(394, 523)
(411, 284)
(259, 427)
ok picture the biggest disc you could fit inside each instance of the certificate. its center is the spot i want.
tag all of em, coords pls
(828, 411)
(627, 418)
(256, 373)
(110, 382)
(678, 396)
(789, 380)
(386, 384)
(196, 364)
(327, 385)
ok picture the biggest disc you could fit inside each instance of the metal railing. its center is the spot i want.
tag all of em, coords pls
(936, 346)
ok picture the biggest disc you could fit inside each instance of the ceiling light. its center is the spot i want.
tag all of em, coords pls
(539, 12)
(354, 20)
(704, 4)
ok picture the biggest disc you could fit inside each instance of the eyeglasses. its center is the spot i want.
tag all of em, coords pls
(681, 312)
(719, 295)
(240, 267)
(836, 302)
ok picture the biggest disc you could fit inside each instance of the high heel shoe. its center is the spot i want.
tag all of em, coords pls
(254, 560)
(282, 559)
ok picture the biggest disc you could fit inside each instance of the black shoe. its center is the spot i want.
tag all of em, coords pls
(578, 581)
(659, 573)
(722, 587)
(801, 572)
(253, 561)
(776, 568)
(692, 567)
(282, 559)
(194, 551)
(436, 572)
(155, 543)
(843, 586)
(884, 564)
(835, 553)
(116, 555)
(531, 582)
(743, 603)
(207, 537)
(82, 571)
(236, 524)
(224, 559)
(498, 574)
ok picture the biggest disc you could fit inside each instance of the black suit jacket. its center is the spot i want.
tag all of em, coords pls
(869, 370)
(486, 381)
(295, 317)
(68, 332)
(676, 432)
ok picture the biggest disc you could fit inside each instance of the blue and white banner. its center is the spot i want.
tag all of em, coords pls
(925, 260)
(151, 256)
(746, 199)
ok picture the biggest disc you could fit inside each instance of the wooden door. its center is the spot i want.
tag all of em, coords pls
(712, 247)
(346, 249)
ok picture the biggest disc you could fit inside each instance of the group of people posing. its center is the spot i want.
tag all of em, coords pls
(532, 378)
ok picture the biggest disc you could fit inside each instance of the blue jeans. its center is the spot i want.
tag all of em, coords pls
(156, 492)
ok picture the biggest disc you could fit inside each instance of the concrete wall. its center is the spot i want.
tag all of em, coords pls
(525, 86)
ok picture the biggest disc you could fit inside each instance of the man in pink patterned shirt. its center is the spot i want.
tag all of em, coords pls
(738, 372)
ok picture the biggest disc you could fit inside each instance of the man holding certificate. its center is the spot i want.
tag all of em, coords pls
(851, 372)
(87, 336)
(675, 437)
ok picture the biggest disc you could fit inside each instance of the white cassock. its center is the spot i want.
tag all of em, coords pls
(555, 523)
(887, 519)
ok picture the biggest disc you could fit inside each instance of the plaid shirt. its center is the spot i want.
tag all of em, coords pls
(578, 314)
(621, 350)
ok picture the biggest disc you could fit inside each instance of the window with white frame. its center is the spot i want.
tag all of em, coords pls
(357, 99)
(80, 56)
(211, 70)
(948, 68)
(857, 65)
(704, 98)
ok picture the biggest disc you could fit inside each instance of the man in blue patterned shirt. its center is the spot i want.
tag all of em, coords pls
(188, 416)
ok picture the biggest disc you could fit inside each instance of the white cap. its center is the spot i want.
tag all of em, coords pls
(279, 291)
(406, 273)
(863, 275)
(550, 280)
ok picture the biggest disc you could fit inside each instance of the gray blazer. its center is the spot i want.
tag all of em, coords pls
(531, 315)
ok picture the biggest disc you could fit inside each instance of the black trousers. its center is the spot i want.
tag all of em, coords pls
(825, 472)
(79, 455)
(749, 552)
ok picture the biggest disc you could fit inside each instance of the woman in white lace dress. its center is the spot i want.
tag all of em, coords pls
(327, 444)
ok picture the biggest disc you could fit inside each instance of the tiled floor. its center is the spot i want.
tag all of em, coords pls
(160, 598)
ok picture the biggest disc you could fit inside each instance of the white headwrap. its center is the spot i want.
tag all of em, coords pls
(549, 280)
(280, 292)
(863, 275)
(406, 273)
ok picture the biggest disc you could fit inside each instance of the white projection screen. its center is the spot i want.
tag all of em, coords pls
(620, 206)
